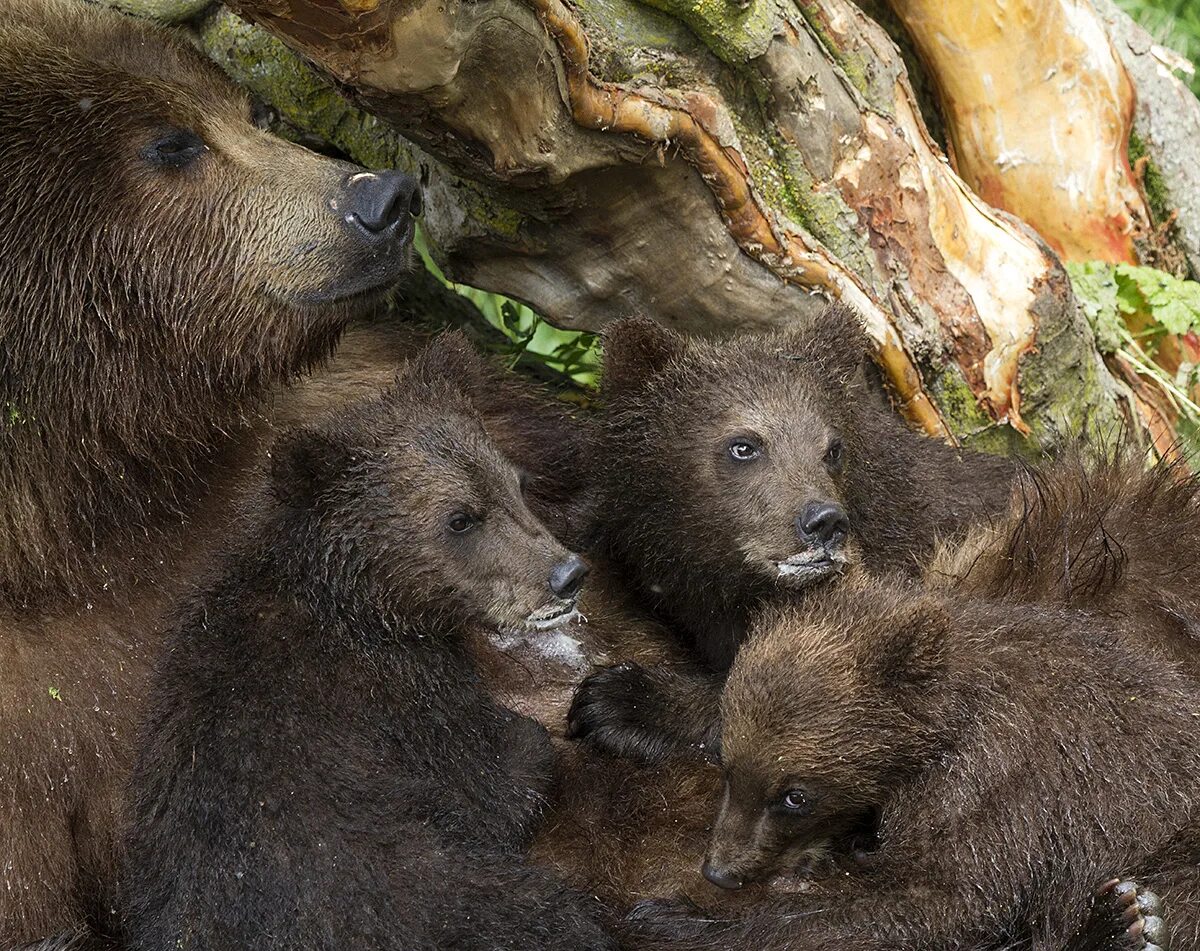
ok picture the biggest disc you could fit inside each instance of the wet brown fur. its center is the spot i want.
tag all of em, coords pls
(1097, 529)
(691, 538)
(333, 740)
(1014, 755)
(699, 537)
(144, 315)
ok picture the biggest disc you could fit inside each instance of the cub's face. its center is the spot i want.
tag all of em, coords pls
(461, 507)
(802, 761)
(143, 184)
(410, 492)
(825, 713)
(736, 450)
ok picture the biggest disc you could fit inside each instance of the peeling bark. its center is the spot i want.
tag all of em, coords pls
(1167, 121)
(1038, 98)
(1038, 110)
(717, 176)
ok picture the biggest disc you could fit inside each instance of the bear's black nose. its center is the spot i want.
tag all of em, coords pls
(721, 877)
(823, 522)
(566, 578)
(378, 201)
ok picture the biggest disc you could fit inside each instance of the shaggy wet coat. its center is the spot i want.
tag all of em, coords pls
(166, 264)
(321, 767)
(748, 472)
(1009, 757)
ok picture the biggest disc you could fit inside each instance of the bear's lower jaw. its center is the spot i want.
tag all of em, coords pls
(809, 567)
(358, 284)
(345, 295)
(552, 616)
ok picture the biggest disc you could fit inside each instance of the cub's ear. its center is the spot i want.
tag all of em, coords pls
(449, 362)
(913, 654)
(836, 342)
(635, 349)
(305, 464)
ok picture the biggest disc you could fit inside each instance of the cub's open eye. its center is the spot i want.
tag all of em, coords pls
(796, 801)
(460, 523)
(174, 149)
(834, 455)
(742, 449)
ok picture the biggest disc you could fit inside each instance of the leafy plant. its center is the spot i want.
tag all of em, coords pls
(1119, 297)
(573, 353)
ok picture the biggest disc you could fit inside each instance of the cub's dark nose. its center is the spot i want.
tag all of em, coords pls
(823, 522)
(721, 877)
(379, 202)
(566, 578)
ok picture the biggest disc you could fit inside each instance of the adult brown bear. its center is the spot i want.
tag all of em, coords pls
(165, 264)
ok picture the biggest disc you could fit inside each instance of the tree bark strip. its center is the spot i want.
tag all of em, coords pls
(719, 178)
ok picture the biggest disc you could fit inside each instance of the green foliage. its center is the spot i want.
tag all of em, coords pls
(1173, 23)
(1115, 297)
(1110, 294)
(573, 353)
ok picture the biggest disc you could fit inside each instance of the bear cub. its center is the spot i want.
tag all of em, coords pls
(740, 473)
(1007, 757)
(320, 767)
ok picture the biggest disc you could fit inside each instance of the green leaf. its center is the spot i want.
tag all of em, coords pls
(1106, 292)
(1096, 290)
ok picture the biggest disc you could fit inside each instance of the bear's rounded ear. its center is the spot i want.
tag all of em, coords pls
(450, 360)
(835, 341)
(913, 652)
(635, 349)
(304, 464)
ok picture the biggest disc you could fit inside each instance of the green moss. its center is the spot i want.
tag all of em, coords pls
(853, 65)
(634, 24)
(1157, 194)
(782, 178)
(732, 33)
(966, 418)
(305, 100)
(309, 105)
(1065, 391)
(823, 213)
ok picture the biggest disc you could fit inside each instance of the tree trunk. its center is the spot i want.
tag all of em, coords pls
(719, 166)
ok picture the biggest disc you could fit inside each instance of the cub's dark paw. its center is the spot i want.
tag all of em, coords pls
(1124, 917)
(616, 711)
(669, 919)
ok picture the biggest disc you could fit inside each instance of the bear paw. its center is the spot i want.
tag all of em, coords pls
(615, 710)
(1124, 917)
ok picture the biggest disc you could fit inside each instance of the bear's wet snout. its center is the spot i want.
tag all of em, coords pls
(823, 523)
(567, 577)
(721, 876)
(381, 203)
